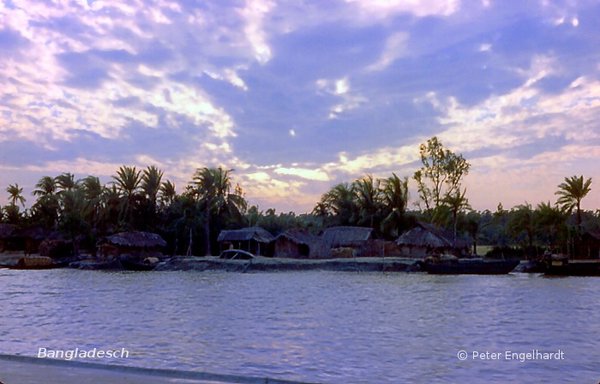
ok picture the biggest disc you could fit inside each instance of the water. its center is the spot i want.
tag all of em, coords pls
(329, 327)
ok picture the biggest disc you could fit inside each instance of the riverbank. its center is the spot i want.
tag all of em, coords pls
(359, 264)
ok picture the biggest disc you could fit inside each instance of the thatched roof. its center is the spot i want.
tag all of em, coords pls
(430, 236)
(136, 240)
(257, 234)
(299, 237)
(7, 230)
(346, 236)
(35, 233)
(420, 237)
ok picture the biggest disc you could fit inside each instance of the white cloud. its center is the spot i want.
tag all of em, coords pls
(309, 174)
(395, 48)
(254, 13)
(420, 8)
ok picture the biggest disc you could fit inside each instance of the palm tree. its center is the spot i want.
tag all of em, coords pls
(456, 203)
(549, 220)
(92, 190)
(167, 192)
(339, 202)
(571, 192)
(65, 182)
(128, 180)
(46, 208)
(15, 195)
(46, 186)
(212, 187)
(151, 183)
(395, 201)
(368, 199)
(522, 221)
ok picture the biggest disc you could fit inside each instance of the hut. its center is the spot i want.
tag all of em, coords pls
(589, 247)
(135, 244)
(426, 239)
(32, 238)
(346, 241)
(252, 239)
(298, 244)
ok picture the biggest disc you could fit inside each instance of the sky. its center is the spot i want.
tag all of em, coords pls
(297, 96)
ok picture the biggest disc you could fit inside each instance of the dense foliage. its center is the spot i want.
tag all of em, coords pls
(142, 199)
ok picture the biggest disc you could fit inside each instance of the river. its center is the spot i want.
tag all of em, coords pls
(328, 327)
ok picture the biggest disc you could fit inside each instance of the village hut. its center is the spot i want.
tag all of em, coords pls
(299, 244)
(590, 245)
(137, 245)
(252, 239)
(8, 235)
(427, 239)
(346, 241)
(32, 238)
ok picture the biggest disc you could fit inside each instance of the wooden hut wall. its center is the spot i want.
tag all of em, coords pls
(287, 248)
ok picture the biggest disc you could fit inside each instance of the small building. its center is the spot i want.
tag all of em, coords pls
(427, 239)
(351, 237)
(346, 241)
(252, 239)
(298, 244)
(590, 245)
(135, 244)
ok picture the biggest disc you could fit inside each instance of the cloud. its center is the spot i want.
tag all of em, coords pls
(297, 96)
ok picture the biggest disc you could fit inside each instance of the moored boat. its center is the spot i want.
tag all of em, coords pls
(562, 266)
(38, 262)
(131, 264)
(476, 266)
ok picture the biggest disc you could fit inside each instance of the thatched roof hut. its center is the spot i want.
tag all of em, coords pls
(351, 237)
(136, 240)
(300, 244)
(426, 238)
(7, 231)
(251, 239)
(137, 244)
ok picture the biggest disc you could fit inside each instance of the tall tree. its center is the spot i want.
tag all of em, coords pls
(521, 222)
(65, 182)
(339, 202)
(15, 194)
(151, 183)
(395, 201)
(549, 222)
(45, 210)
(127, 181)
(368, 200)
(440, 176)
(571, 192)
(212, 187)
(456, 203)
(168, 193)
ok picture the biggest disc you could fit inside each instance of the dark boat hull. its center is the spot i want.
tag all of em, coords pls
(136, 265)
(574, 268)
(470, 267)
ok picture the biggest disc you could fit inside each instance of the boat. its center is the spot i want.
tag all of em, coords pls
(37, 262)
(560, 265)
(451, 265)
(131, 264)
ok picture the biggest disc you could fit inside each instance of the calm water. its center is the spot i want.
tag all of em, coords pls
(329, 327)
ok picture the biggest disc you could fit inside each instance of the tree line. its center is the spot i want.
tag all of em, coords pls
(85, 210)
